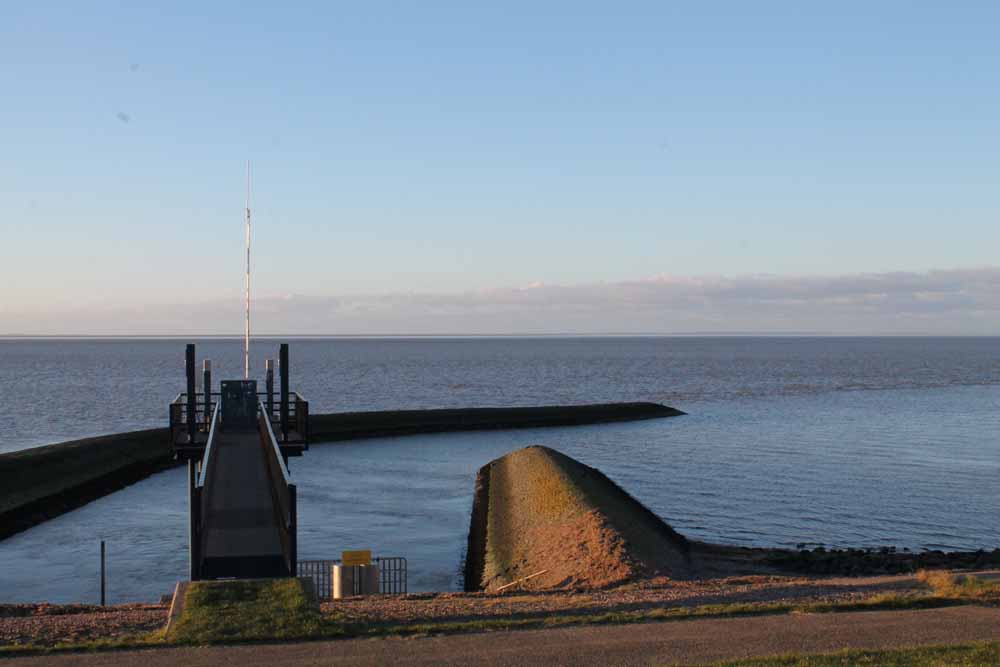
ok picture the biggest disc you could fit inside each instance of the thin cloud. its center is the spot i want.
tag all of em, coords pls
(962, 302)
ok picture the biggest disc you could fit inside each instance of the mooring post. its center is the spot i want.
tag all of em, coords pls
(283, 370)
(269, 386)
(191, 399)
(207, 388)
(102, 574)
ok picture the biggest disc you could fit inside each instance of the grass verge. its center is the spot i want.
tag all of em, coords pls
(879, 603)
(248, 611)
(967, 655)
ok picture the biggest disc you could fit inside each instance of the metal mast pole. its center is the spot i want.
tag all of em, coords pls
(246, 338)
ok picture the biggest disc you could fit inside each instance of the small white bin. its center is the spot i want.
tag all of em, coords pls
(351, 580)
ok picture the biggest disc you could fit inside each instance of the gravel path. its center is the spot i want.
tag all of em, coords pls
(49, 624)
(641, 595)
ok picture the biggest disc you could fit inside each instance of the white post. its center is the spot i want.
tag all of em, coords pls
(246, 339)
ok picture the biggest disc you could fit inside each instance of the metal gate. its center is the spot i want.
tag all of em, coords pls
(391, 574)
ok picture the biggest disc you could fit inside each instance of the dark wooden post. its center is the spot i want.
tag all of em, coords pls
(283, 370)
(207, 388)
(191, 400)
(269, 386)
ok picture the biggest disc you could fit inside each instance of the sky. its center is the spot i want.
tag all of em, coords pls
(643, 167)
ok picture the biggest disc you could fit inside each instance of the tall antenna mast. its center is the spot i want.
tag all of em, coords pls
(246, 338)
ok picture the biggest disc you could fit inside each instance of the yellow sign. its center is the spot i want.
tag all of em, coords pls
(348, 558)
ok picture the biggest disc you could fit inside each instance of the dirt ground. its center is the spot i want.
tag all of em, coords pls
(647, 594)
(45, 624)
(51, 624)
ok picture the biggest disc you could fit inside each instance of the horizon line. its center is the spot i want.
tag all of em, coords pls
(694, 334)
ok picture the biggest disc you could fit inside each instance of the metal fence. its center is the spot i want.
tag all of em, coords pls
(391, 574)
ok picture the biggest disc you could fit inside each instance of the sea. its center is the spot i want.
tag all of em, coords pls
(787, 442)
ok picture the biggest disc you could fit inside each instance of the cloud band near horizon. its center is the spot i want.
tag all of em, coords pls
(942, 302)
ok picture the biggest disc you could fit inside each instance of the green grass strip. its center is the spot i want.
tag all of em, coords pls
(881, 603)
(979, 654)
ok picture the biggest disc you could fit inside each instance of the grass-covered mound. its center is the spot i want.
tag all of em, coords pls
(540, 514)
(249, 610)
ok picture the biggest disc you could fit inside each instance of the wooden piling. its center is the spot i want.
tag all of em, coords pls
(207, 388)
(269, 385)
(283, 370)
(192, 406)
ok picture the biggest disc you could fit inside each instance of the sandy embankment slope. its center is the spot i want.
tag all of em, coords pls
(539, 510)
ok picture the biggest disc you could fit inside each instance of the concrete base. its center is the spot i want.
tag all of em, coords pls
(177, 604)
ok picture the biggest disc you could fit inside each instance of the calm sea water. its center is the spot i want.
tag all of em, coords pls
(842, 442)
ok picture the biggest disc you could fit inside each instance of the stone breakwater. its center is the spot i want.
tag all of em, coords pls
(43, 482)
(357, 425)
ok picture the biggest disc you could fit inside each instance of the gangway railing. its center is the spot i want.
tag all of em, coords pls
(292, 436)
(283, 491)
(199, 499)
(283, 495)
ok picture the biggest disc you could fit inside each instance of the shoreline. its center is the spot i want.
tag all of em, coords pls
(50, 480)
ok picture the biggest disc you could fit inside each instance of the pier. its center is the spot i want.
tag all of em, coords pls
(237, 442)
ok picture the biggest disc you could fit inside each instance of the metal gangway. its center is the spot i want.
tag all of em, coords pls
(237, 442)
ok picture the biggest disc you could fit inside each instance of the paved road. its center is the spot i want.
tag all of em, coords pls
(659, 643)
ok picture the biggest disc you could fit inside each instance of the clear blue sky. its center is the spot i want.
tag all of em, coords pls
(438, 148)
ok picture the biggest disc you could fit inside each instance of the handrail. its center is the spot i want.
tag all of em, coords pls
(207, 458)
(274, 445)
(283, 492)
(179, 398)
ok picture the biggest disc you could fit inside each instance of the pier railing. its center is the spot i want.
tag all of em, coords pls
(179, 432)
(199, 498)
(296, 428)
(283, 492)
(292, 436)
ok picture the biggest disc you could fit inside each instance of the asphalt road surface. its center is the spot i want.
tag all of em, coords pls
(677, 642)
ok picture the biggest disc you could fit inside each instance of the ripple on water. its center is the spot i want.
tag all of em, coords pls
(844, 470)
